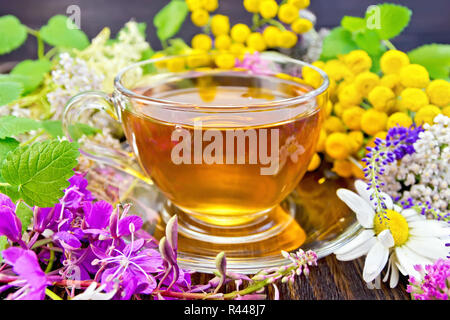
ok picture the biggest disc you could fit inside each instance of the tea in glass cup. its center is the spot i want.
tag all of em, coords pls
(225, 147)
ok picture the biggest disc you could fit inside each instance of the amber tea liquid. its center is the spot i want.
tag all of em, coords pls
(225, 193)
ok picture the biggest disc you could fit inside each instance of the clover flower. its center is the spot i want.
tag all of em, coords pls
(434, 282)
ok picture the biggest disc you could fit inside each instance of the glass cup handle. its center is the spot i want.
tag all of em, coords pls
(117, 158)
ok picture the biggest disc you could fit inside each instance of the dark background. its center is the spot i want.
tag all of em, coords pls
(430, 20)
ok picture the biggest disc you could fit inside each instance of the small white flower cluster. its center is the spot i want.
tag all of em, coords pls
(15, 110)
(424, 176)
(71, 76)
(109, 57)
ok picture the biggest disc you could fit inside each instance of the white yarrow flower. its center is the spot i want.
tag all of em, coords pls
(401, 238)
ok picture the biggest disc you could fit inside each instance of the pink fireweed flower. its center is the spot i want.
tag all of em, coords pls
(435, 282)
(255, 64)
(32, 280)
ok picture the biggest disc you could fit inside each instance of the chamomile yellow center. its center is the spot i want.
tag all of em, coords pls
(396, 223)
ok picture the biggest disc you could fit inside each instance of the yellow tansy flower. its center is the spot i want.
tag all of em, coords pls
(414, 76)
(220, 24)
(287, 39)
(357, 139)
(240, 32)
(390, 80)
(268, 8)
(357, 171)
(200, 17)
(271, 35)
(237, 49)
(399, 118)
(439, 92)
(328, 108)
(357, 61)
(222, 42)
(352, 117)
(287, 13)
(301, 25)
(202, 42)
(393, 61)
(176, 64)
(256, 41)
(225, 60)
(426, 114)
(339, 108)
(336, 69)
(211, 5)
(338, 146)
(373, 121)
(160, 64)
(413, 99)
(366, 81)
(333, 124)
(311, 77)
(343, 168)
(314, 163)
(321, 142)
(198, 58)
(299, 4)
(446, 111)
(194, 4)
(382, 98)
(349, 95)
(252, 5)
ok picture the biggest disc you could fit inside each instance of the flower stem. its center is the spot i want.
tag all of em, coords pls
(52, 295)
(389, 44)
(41, 242)
(50, 260)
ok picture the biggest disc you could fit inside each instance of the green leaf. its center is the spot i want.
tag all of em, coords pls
(39, 173)
(388, 19)
(369, 41)
(7, 145)
(3, 244)
(353, 24)
(435, 57)
(61, 32)
(9, 92)
(12, 126)
(33, 71)
(12, 34)
(54, 128)
(24, 213)
(145, 55)
(339, 41)
(170, 18)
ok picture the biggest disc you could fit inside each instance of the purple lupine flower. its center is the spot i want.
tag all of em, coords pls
(32, 280)
(10, 225)
(129, 270)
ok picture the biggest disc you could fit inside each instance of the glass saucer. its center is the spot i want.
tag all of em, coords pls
(312, 215)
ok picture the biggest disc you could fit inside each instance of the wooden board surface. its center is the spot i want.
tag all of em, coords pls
(332, 280)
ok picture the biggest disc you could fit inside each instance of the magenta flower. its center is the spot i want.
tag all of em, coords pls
(435, 284)
(129, 270)
(255, 64)
(32, 280)
(10, 225)
(97, 214)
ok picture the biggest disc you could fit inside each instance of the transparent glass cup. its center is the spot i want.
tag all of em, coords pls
(224, 146)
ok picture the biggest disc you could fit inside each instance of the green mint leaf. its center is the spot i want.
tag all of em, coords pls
(369, 41)
(12, 33)
(11, 192)
(54, 128)
(7, 145)
(25, 214)
(170, 18)
(24, 81)
(39, 173)
(388, 20)
(149, 67)
(61, 32)
(435, 57)
(33, 72)
(9, 92)
(12, 126)
(353, 24)
(339, 41)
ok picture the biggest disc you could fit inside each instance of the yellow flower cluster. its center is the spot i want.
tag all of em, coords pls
(363, 105)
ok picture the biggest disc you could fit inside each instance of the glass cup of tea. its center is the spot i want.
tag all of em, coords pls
(224, 146)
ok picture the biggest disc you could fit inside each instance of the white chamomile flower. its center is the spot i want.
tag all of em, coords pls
(400, 237)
